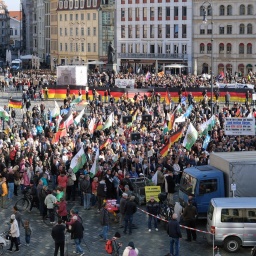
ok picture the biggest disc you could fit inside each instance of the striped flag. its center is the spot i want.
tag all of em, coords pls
(79, 117)
(105, 144)
(109, 121)
(76, 100)
(167, 100)
(56, 111)
(191, 137)
(171, 121)
(164, 151)
(15, 103)
(91, 126)
(68, 119)
(62, 132)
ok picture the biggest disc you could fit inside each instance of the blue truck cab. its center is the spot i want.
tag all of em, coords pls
(204, 183)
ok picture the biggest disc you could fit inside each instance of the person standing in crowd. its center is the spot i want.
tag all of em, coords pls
(104, 219)
(101, 193)
(77, 233)
(4, 192)
(129, 209)
(152, 209)
(28, 232)
(170, 187)
(50, 202)
(174, 232)
(115, 245)
(189, 218)
(123, 202)
(131, 250)
(58, 235)
(18, 218)
(86, 190)
(10, 182)
(14, 233)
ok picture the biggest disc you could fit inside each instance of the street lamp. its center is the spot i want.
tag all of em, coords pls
(207, 6)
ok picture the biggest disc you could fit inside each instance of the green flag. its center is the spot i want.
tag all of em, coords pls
(191, 137)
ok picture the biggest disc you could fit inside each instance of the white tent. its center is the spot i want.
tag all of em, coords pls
(95, 62)
(29, 57)
(175, 66)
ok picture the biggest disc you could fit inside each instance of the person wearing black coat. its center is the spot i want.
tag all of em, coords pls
(58, 235)
(129, 209)
(101, 193)
(77, 233)
(169, 187)
(152, 208)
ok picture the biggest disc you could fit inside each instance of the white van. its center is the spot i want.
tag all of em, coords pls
(233, 221)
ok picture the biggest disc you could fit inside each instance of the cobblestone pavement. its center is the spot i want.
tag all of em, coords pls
(154, 243)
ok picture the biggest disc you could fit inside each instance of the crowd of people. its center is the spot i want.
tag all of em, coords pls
(31, 155)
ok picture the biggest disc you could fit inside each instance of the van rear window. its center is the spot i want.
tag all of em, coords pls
(210, 211)
(232, 215)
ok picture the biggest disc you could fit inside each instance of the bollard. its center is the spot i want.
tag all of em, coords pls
(218, 252)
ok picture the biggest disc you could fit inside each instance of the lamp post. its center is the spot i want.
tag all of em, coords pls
(208, 6)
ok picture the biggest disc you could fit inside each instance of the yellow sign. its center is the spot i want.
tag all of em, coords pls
(152, 191)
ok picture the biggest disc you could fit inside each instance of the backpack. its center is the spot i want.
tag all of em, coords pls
(109, 247)
(132, 252)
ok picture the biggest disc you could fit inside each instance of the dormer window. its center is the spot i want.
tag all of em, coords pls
(60, 4)
(81, 3)
(94, 3)
(76, 4)
(66, 4)
(88, 3)
(70, 4)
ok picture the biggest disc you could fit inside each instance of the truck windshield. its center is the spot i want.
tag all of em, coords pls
(15, 64)
(188, 184)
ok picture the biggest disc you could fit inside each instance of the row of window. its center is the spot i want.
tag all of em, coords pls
(76, 47)
(152, 48)
(76, 17)
(82, 31)
(77, 4)
(154, 31)
(228, 29)
(242, 10)
(148, 1)
(241, 48)
(154, 13)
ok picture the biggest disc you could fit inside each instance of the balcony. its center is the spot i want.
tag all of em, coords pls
(152, 56)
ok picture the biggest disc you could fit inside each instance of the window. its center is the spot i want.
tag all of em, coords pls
(88, 31)
(60, 4)
(184, 31)
(71, 47)
(144, 13)
(249, 29)
(229, 48)
(222, 10)
(88, 3)
(159, 31)
(11, 31)
(137, 31)
(144, 31)
(144, 48)
(241, 48)
(168, 31)
(229, 29)
(232, 215)
(176, 12)
(94, 31)
(207, 186)
(82, 47)
(76, 4)
(250, 215)
(221, 30)
(76, 16)
(77, 32)
(176, 31)
(66, 17)
(129, 31)
(168, 12)
(229, 10)
(88, 47)
(122, 14)
(249, 9)
(71, 32)
(130, 48)
(82, 3)
(249, 48)
(94, 3)
(94, 16)
(152, 31)
(184, 49)
(123, 48)
(94, 47)
(201, 11)
(82, 16)
(66, 47)
(209, 48)
(61, 47)
(184, 12)
(60, 17)
(242, 9)
(152, 12)
(129, 13)
(159, 12)
(76, 47)
(137, 13)
(88, 16)
(209, 29)
(176, 48)
(241, 29)
(60, 31)
(221, 48)
(70, 4)
(137, 48)
(82, 31)
(201, 48)
(202, 29)
(71, 17)
(122, 31)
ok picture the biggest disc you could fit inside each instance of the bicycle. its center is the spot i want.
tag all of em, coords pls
(47, 221)
(24, 203)
(3, 242)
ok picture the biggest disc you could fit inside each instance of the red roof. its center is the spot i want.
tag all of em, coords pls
(16, 15)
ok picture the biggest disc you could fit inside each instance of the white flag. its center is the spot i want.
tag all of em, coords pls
(180, 119)
(56, 111)
(91, 126)
(78, 160)
(78, 118)
(191, 137)
(109, 121)
(93, 169)
(154, 178)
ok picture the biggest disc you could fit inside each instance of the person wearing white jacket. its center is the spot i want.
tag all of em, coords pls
(50, 202)
(130, 250)
(15, 233)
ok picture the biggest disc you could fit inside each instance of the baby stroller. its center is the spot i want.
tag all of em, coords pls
(165, 211)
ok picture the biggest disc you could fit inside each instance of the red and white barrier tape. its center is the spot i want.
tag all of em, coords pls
(182, 226)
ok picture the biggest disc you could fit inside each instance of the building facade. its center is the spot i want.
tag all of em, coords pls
(54, 55)
(5, 30)
(233, 45)
(77, 31)
(15, 30)
(153, 33)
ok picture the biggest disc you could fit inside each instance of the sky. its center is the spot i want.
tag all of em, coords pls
(13, 5)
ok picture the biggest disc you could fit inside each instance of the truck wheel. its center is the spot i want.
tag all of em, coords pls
(232, 244)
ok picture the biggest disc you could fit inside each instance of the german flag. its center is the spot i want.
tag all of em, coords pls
(98, 126)
(171, 121)
(15, 103)
(176, 136)
(62, 132)
(164, 151)
(102, 146)
(167, 100)
(238, 112)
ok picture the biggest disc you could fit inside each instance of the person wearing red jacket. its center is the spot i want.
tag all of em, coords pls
(62, 209)
(12, 155)
(63, 181)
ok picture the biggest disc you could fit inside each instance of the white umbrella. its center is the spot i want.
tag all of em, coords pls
(175, 66)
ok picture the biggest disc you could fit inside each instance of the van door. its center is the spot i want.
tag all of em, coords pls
(249, 227)
(206, 190)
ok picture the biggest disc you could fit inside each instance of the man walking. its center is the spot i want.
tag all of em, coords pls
(58, 235)
(189, 217)
(173, 230)
(77, 233)
(129, 209)
(85, 186)
(104, 219)
(152, 208)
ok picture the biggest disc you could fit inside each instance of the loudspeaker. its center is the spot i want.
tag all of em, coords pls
(146, 118)
(127, 119)
(135, 136)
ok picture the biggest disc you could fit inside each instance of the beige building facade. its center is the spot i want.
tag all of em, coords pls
(234, 31)
(54, 55)
(77, 32)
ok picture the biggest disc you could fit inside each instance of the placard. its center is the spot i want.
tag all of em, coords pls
(239, 126)
(124, 83)
(152, 191)
(254, 96)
